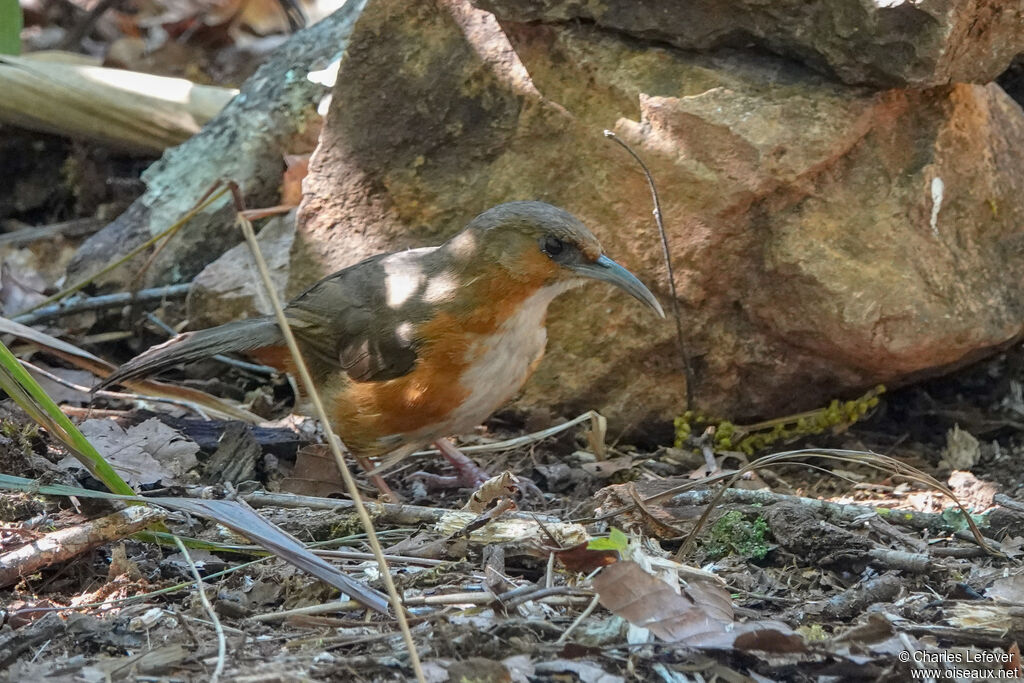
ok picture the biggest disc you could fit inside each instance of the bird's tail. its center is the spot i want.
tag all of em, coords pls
(243, 335)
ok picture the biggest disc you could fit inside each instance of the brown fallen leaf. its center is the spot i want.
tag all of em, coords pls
(580, 558)
(315, 474)
(626, 590)
(147, 453)
(762, 636)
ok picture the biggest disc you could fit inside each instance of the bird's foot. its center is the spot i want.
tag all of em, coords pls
(468, 474)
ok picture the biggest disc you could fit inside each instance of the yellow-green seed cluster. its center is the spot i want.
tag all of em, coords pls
(750, 439)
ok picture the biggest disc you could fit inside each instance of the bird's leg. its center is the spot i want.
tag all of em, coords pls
(469, 474)
(387, 495)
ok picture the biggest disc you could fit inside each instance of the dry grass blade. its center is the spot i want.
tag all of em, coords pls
(883, 463)
(211, 613)
(248, 522)
(234, 515)
(211, 196)
(596, 433)
(332, 440)
(101, 368)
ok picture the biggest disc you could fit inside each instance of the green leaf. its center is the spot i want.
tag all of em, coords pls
(616, 540)
(10, 27)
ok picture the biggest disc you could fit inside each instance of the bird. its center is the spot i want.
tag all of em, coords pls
(411, 347)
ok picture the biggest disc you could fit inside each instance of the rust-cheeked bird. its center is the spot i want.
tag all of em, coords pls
(410, 347)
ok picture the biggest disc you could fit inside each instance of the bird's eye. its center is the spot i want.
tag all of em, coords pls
(552, 246)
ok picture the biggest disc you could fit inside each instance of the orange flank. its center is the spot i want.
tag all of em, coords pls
(366, 414)
(277, 357)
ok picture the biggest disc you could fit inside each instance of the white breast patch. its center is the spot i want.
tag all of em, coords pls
(501, 362)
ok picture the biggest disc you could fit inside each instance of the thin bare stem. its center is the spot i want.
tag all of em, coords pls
(518, 441)
(332, 440)
(222, 643)
(209, 198)
(102, 393)
(876, 461)
(666, 252)
(579, 620)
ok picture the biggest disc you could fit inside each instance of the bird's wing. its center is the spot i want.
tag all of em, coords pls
(346, 322)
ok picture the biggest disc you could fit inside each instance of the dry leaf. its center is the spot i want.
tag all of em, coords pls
(648, 602)
(315, 474)
(962, 450)
(584, 560)
(763, 636)
(503, 485)
(1009, 589)
(980, 615)
(587, 672)
(603, 469)
(147, 453)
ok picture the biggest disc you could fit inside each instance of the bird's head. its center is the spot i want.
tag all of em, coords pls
(538, 242)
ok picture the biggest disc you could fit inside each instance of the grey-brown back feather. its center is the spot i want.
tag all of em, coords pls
(242, 335)
(365, 320)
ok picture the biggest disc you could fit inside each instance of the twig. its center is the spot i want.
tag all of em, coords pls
(876, 461)
(60, 546)
(309, 610)
(687, 368)
(212, 195)
(538, 593)
(106, 301)
(561, 595)
(351, 555)
(103, 393)
(222, 645)
(524, 440)
(833, 511)
(73, 228)
(579, 620)
(398, 513)
(332, 440)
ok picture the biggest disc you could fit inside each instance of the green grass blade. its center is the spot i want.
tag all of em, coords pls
(10, 27)
(27, 393)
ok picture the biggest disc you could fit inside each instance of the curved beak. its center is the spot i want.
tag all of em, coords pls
(607, 270)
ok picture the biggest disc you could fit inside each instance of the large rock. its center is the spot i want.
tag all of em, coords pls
(230, 288)
(826, 238)
(893, 43)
